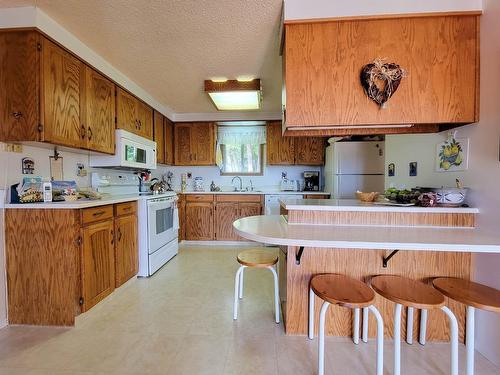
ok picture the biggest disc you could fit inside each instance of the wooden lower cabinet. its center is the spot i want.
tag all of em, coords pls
(225, 215)
(126, 250)
(199, 221)
(98, 263)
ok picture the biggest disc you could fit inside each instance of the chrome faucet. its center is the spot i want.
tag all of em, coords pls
(241, 183)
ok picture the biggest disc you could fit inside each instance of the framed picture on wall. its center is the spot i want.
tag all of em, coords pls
(452, 155)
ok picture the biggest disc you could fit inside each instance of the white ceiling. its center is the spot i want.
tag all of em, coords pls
(170, 47)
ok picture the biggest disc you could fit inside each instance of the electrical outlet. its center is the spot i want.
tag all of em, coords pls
(189, 175)
(12, 147)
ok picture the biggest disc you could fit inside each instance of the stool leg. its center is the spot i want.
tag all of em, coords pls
(409, 326)
(380, 339)
(469, 339)
(423, 326)
(355, 329)
(276, 295)
(321, 347)
(365, 325)
(236, 291)
(397, 339)
(453, 339)
(311, 314)
(241, 283)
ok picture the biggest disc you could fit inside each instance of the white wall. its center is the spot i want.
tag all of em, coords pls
(300, 9)
(483, 175)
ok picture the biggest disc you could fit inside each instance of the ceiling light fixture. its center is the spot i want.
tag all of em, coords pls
(235, 95)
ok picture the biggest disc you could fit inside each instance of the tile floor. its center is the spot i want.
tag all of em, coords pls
(180, 322)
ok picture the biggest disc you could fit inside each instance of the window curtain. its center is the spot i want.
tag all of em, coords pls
(238, 135)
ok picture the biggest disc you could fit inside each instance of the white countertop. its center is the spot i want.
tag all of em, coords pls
(274, 229)
(258, 192)
(356, 205)
(86, 203)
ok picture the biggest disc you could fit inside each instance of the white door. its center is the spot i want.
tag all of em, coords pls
(347, 185)
(359, 158)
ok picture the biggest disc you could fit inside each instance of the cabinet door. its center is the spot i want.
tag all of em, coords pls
(199, 221)
(145, 119)
(98, 111)
(182, 148)
(19, 86)
(225, 215)
(280, 150)
(169, 141)
(159, 137)
(203, 143)
(250, 209)
(98, 263)
(126, 251)
(181, 205)
(126, 111)
(62, 76)
(309, 151)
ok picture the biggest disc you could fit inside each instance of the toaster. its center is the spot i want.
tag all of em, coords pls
(289, 185)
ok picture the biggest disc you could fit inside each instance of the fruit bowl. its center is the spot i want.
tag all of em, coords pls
(367, 197)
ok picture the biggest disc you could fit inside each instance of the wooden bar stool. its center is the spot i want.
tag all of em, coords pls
(415, 294)
(474, 296)
(256, 258)
(347, 292)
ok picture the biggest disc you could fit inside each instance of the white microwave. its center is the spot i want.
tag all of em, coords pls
(132, 151)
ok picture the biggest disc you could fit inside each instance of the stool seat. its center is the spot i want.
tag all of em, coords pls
(342, 290)
(407, 292)
(260, 258)
(469, 293)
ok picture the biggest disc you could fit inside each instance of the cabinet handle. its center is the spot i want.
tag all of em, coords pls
(17, 115)
(83, 132)
(127, 208)
(98, 213)
(119, 234)
(136, 125)
(90, 133)
(112, 237)
(140, 124)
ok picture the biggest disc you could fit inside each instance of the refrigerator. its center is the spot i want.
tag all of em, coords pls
(352, 166)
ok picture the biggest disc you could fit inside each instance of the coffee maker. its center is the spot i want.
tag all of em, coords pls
(311, 181)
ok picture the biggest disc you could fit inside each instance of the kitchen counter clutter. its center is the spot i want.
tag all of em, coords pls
(259, 192)
(363, 240)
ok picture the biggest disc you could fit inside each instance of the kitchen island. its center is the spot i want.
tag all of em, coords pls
(364, 240)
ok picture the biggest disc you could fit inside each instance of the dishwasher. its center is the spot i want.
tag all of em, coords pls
(272, 202)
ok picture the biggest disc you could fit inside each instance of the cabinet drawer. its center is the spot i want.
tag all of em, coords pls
(91, 215)
(126, 208)
(199, 197)
(238, 198)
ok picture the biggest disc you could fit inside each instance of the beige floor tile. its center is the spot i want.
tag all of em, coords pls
(180, 321)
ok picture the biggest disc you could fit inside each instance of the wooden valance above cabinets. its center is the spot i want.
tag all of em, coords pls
(323, 61)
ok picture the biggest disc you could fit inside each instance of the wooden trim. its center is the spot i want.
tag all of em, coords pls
(357, 130)
(385, 16)
(232, 85)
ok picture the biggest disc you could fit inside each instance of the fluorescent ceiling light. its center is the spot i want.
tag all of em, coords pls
(236, 100)
(234, 95)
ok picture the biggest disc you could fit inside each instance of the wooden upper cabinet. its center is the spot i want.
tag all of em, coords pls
(310, 150)
(98, 112)
(126, 250)
(439, 53)
(199, 221)
(280, 150)
(169, 142)
(98, 263)
(62, 77)
(127, 111)
(145, 119)
(19, 86)
(194, 143)
(159, 137)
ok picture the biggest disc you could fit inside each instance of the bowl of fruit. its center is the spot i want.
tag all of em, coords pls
(403, 196)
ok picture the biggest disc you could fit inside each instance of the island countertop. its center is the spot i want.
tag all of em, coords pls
(274, 229)
(355, 205)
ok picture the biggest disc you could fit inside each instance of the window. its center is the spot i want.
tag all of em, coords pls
(240, 150)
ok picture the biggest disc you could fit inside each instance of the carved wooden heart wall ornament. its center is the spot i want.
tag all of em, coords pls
(381, 80)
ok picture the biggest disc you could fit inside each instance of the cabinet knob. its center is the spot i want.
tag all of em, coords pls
(90, 133)
(119, 234)
(83, 132)
(17, 115)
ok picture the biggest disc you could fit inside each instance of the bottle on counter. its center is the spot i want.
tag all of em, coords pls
(183, 182)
